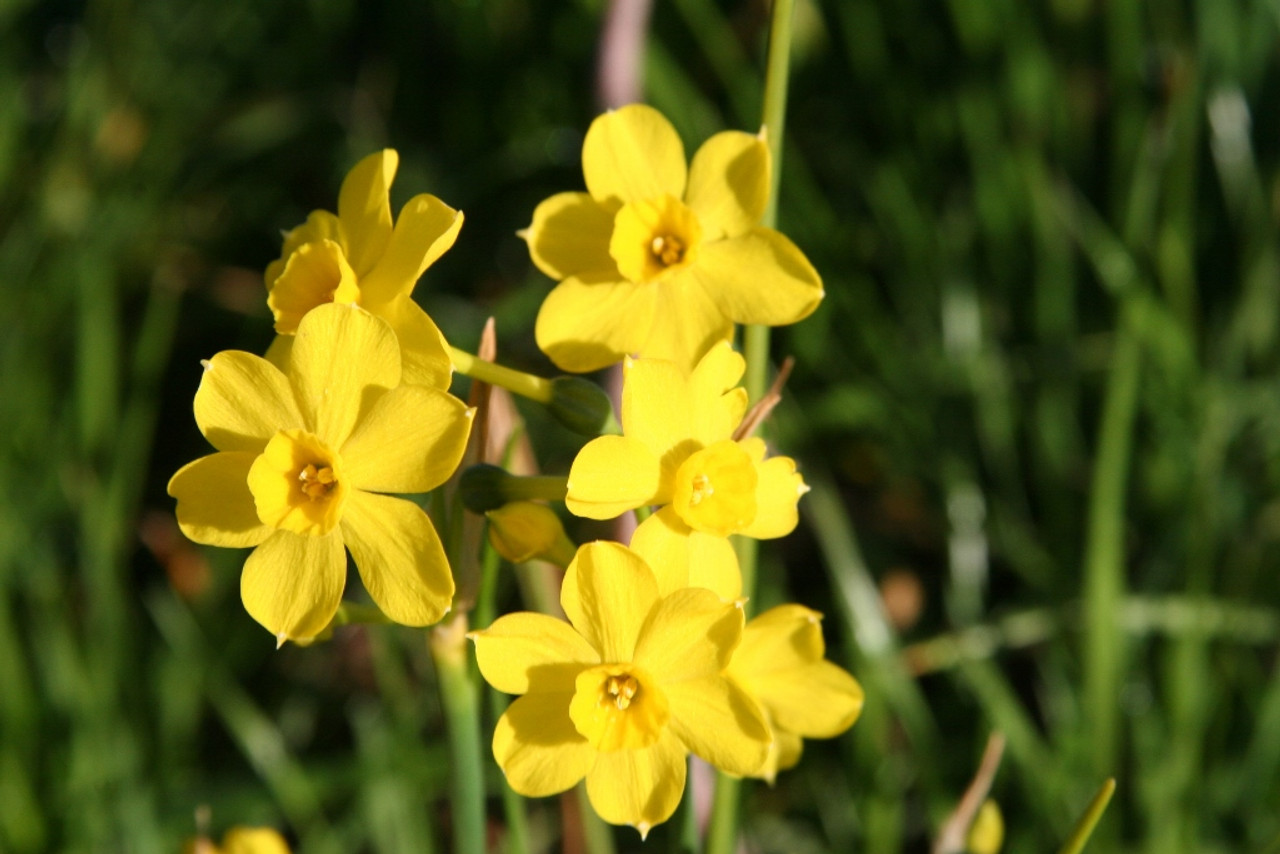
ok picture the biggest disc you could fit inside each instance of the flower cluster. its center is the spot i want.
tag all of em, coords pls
(657, 262)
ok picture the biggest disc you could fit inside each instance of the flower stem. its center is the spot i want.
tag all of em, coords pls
(722, 836)
(516, 382)
(596, 833)
(461, 703)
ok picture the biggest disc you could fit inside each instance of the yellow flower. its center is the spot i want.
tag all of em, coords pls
(986, 834)
(525, 530)
(622, 693)
(301, 460)
(659, 260)
(780, 664)
(677, 450)
(359, 257)
(243, 840)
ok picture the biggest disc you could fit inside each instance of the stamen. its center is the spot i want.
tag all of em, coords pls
(667, 249)
(623, 690)
(317, 483)
(702, 488)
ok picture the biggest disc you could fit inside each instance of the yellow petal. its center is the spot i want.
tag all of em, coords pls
(687, 321)
(633, 153)
(424, 353)
(681, 557)
(641, 788)
(607, 593)
(729, 183)
(242, 401)
(778, 490)
(819, 700)
(611, 475)
(525, 652)
(569, 236)
(364, 208)
(342, 357)
(425, 230)
(656, 410)
(784, 753)
(299, 484)
(292, 583)
(315, 274)
(411, 441)
(254, 840)
(717, 404)
(279, 352)
(689, 635)
(783, 638)
(320, 225)
(215, 506)
(585, 325)
(538, 748)
(719, 722)
(715, 489)
(400, 558)
(759, 277)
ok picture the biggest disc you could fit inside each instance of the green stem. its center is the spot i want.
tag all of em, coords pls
(516, 382)
(1104, 551)
(596, 833)
(722, 836)
(513, 806)
(461, 703)
(1084, 828)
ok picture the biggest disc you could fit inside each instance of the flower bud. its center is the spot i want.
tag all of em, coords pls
(523, 530)
(986, 834)
(580, 405)
(486, 487)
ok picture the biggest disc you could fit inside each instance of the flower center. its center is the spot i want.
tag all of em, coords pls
(617, 707)
(654, 238)
(316, 273)
(297, 484)
(715, 489)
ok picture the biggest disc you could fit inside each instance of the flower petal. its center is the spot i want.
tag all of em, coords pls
(656, 409)
(607, 593)
(688, 635)
(343, 357)
(611, 475)
(320, 225)
(641, 788)
(215, 506)
(570, 235)
(411, 441)
(292, 583)
(425, 230)
(682, 557)
(633, 153)
(759, 277)
(717, 406)
(400, 558)
(364, 208)
(778, 490)
(587, 325)
(253, 840)
(243, 400)
(316, 273)
(729, 183)
(279, 352)
(819, 700)
(719, 722)
(784, 753)
(687, 321)
(424, 353)
(538, 747)
(526, 652)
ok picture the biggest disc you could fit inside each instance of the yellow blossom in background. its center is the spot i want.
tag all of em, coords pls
(525, 530)
(242, 840)
(986, 834)
(622, 692)
(677, 450)
(780, 663)
(359, 256)
(659, 259)
(302, 457)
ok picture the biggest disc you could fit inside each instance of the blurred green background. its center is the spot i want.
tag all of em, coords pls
(1039, 408)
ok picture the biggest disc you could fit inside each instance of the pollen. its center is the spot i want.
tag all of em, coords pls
(667, 250)
(702, 489)
(622, 689)
(317, 482)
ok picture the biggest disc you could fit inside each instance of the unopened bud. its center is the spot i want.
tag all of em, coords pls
(523, 530)
(582, 406)
(986, 834)
(487, 487)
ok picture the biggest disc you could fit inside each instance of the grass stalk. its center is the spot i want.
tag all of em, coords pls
(461, 701)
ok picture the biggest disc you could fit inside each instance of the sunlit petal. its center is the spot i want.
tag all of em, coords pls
(656, 409)
(424, 352)
(778, 490)
(215, 506)
(717, 403)
(610, 475)
(729, 183)
(688, 635)
(607, 593)
(537, 746)
(633, 153)
(584, 325)
(759, 277)
(719, 722)
(411, 440)
(569, 236)
(681, 557)
(687, 321)
(523, 652)
(364, 208)
(639, 787)
(292, 583)
(242, 401)
(424, 231)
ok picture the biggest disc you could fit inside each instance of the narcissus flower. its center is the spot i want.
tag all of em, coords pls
(302, 459)
(658, 259)
(242, 840)
(359, 257)
(677, 450)
(622, 692)
(780, 664)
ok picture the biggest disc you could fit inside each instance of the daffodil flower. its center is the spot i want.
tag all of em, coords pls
(302, 459)
(780, 664)
(623, 692)
(677, 450)
(358, 256)
(242, 840)
(658, 259)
